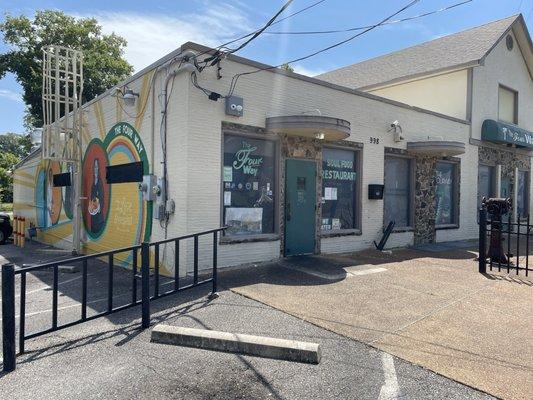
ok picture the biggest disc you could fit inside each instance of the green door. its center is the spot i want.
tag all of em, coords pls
(300, 204)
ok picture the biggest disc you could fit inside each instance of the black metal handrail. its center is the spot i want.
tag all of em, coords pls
(8, 288)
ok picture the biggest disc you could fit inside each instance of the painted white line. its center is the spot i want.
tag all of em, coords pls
(390, 389)
(366, 271)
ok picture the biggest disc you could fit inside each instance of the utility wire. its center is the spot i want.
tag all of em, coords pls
(236, 77)
(359, 28)
(215, 58)
(224, 45)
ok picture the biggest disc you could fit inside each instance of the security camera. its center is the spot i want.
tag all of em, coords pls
(233, 106)
(395, 124)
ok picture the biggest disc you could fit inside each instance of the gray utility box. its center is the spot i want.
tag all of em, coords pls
(235, 106)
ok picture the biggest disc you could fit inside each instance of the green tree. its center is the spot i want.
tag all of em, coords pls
(13, 148)
(103, 67)
(287, 67)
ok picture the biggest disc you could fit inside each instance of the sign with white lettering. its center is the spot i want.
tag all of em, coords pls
(501, 132)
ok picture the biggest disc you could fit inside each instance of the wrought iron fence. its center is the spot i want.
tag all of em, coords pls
(503, 243)
(9, 272)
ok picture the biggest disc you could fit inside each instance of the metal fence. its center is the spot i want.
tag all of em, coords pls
(9, 272)
(504, 244)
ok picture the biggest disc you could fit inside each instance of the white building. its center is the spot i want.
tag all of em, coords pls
(287, 162)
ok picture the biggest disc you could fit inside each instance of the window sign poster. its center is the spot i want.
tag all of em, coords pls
(335, 223)
(228, 174)
(250, 166)
(227, 198)
(327, 193)
(325, 224)
(333, 193)
(244, 221)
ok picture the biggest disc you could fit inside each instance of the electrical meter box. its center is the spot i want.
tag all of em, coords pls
(146, 187)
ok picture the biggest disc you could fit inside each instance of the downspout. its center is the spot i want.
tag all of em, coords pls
(187, 67)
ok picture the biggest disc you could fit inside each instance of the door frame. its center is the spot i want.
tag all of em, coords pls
(283, 203)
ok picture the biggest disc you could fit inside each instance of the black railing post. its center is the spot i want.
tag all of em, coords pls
(482, 240)
(195, 260)
(214, 293)
(145, 284)
(8, 317)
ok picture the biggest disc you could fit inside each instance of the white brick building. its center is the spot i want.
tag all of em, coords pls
(291, 175)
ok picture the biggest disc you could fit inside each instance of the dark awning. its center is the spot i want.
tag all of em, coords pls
(501, 132)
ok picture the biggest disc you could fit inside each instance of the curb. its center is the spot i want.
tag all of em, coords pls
(282, 349)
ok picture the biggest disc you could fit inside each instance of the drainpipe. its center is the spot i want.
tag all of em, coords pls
(187, 67)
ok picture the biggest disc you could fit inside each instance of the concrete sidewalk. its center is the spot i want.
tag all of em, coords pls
(429, 308)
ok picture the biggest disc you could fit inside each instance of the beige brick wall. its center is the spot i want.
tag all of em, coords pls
(268, 94)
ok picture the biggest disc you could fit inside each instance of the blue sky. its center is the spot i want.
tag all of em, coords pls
(154, 28)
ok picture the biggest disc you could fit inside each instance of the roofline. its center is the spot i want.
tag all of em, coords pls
(316, 81)
(205, 49)
(422, 75)
(519, 18)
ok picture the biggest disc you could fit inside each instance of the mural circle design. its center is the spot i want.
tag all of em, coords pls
(96, 193)
(48, 199)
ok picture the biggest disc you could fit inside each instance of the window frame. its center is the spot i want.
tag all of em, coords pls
(515, 104)
(411, 196)
(492, 181)
(226, 238)
(357, 229)
(455, 194)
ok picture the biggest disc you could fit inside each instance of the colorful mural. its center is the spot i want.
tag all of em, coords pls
(113, 215)
(95, 191)
(48, 199)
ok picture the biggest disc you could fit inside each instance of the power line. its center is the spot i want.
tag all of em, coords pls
(236, 77)
(368, 26)
(218, 48)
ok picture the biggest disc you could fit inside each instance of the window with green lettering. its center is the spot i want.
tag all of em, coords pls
(445, 194)
(248, 185)
(339, 186)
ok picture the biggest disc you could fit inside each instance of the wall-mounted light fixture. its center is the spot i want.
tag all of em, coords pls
(128, 95)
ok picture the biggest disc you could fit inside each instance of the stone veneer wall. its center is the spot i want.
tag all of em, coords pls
(508, 159)
(424, 200)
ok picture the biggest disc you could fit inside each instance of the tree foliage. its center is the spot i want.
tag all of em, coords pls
(104, 65)
(13, 148)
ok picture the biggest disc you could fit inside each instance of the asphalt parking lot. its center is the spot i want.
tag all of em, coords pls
(112, 358)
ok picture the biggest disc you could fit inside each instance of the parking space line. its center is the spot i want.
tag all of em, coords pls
(390, 389)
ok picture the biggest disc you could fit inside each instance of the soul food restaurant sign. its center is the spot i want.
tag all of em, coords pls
(501, 132)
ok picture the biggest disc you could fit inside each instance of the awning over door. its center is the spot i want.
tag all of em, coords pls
(314, 126)
(502, 132)
(436, 148)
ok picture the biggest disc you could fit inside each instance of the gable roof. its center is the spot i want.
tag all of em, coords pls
(455, 51)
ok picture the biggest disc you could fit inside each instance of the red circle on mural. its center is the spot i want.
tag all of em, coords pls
(96, 192)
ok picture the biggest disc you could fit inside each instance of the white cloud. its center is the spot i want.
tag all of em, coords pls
(300, 69)
(11, 95)
(151, 36)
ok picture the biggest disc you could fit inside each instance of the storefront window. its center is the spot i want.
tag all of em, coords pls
(522, 206)
(397, 194)
(249, 181)
(485, 183)
(339, 177)
(445, 193)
